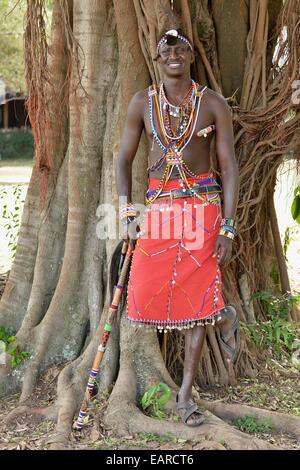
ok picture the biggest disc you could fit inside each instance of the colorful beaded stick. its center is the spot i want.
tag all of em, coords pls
(83, 416)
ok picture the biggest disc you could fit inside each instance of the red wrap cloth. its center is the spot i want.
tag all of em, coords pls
(174, 280)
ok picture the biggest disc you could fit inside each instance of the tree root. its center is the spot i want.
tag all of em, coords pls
(281, 422)
(48, 412)
(124, 418)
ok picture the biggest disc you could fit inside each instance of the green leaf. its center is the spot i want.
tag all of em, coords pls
(166, 394)
(10, 339)
(295, 209)
(296, 190)
(155, 398)
(148, 396)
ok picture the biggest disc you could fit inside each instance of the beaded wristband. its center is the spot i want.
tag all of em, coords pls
(227, 234)
(229, 221)
(229, 228)
(127, 211)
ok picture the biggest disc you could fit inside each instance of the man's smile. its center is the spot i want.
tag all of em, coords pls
(174, 65)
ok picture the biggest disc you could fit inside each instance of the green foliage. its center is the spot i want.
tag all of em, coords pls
(287, 241)
(5, 337)
(12, 217)
(277, 306)
(17, 356)
(12, 14)
(154, 400)
(11, 39)
(160, 438)
(251, 424)
(16, 144)
(275, 275)
(277, 333)
(295, 209)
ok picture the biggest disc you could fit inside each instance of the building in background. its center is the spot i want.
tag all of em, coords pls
(12, 108)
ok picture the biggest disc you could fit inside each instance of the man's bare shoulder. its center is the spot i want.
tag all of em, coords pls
(215, 101)
(138, 104)
(140, 97)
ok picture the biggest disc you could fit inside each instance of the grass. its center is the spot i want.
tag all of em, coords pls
(252, 425)
(160, 438)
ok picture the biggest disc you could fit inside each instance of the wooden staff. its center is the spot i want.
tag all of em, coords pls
(83, 416)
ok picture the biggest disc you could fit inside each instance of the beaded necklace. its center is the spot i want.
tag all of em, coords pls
(173, 145)
(185, 114)
(180, 109)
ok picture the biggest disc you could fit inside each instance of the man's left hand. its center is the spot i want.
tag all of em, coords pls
(223, 249)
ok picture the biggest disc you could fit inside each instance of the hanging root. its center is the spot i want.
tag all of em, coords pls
(48, 76)
(264, 137)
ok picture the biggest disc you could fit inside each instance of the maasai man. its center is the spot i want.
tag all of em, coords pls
(175, 278)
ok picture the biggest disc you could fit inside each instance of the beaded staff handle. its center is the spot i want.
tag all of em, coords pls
(83, 416)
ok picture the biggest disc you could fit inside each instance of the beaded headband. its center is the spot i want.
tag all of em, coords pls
(175, 34)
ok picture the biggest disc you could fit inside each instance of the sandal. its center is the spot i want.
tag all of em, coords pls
(186, 409)
(234, 331)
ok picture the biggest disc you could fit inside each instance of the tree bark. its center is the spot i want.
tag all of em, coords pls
(232, 26)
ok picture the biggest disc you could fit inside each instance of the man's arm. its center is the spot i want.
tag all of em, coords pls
(229, 171)
(128, 146)
(226, 156)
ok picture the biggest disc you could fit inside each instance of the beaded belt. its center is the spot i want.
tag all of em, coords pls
(177, 193)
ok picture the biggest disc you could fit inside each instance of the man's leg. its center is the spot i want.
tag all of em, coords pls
(194, 339)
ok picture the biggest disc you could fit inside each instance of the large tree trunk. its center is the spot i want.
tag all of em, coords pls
(57, 292)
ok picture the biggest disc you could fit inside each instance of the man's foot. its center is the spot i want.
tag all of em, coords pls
(189, 412)
(229, 327)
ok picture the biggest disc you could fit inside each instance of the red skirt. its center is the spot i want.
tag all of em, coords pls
(174, 281)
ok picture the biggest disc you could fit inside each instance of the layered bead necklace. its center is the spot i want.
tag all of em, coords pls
(174, 141)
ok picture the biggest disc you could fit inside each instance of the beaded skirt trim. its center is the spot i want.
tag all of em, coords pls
(163, 326)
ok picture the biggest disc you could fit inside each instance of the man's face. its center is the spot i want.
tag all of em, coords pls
(175, 60)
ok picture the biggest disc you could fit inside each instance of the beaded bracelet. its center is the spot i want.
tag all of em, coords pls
(127, 211)
(229, 228)
(229, 221)
(226, 233)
